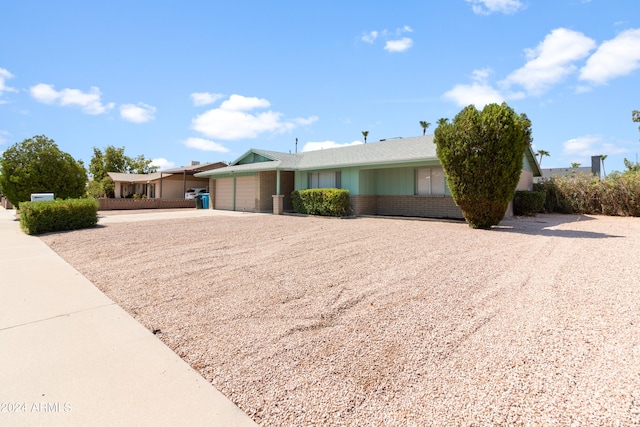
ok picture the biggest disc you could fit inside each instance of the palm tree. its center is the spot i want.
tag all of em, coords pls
(365, 133)
(424, 125)
(542, 153)
(442, 121)
(575, 165)
(603, 157)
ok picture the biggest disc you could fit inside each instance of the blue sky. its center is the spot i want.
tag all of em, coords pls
(208, 80)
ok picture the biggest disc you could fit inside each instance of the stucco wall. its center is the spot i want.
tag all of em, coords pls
(526, 181)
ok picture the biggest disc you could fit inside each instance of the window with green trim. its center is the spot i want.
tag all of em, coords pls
(430, 181)
(331, 179)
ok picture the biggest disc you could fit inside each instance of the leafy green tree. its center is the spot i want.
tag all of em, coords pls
(635, 116)
(37, 165)
(424, 125)
(481, 153)
(632, 167)
(113, 159)
(575, 165)
(542, 153)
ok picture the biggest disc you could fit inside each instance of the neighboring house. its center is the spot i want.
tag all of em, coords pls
(400, 176)
(166, 184)
(572, 172)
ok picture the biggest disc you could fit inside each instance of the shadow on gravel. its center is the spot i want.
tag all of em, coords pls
(550, 225)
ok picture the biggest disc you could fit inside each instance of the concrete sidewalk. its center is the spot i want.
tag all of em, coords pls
(69, 356)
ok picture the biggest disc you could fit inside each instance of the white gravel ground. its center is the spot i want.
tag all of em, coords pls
(369, 321)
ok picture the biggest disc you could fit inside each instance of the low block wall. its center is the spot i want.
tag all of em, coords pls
(120, 204)
(418, 206)
(6, 203)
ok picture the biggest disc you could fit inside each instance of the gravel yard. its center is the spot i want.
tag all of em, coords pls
(371, 321)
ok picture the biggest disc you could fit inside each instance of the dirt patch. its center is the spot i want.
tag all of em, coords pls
(314, 321)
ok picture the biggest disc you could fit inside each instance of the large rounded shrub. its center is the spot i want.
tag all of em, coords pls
(481, 153)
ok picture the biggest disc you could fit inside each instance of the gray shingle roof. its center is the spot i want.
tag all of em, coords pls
(135, 177)
(551, 172)
(391, 151)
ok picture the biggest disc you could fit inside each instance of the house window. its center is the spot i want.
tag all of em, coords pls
(430, 181)
(325, 180)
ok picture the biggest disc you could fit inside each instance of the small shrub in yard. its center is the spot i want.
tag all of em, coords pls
(58, 215)
(321, 201)
(529, 203)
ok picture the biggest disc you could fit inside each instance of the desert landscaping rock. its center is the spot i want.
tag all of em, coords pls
(370, 321)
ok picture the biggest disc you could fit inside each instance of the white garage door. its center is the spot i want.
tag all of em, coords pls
(224, 194)
(246, 193)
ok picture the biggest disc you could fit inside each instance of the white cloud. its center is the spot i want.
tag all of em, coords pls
(234, 119)
(405, 29)
(398, 45)
(614, 58)
(307, 121)
(487, 7)
(205, 98)
(582, 145)
(551, 61)
(313, 146)
(581, 149)
(369, 37)
(243, 103)
(391, 45)
(204, 145)
(481, 75)
(5, 75)
(3, 135)
(89, 101)
(478, 94)
(162, 163)
(140, 113)
(44, 93)
(591, 145)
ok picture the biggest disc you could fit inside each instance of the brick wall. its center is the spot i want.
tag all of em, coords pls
(265, 191)
(120, 204)
(6, 203)
(364, 205)
(267, 183)
(418, 206)
(286, 188)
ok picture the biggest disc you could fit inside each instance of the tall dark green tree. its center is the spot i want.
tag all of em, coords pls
(37, 165)
(481, 153)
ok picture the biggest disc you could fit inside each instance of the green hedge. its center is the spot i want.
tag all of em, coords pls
(58, 215)
(321, 201)
(529, 203)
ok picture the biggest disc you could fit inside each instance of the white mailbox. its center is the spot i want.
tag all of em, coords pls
(40, 197)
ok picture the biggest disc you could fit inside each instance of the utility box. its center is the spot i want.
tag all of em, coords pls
(41, 197)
